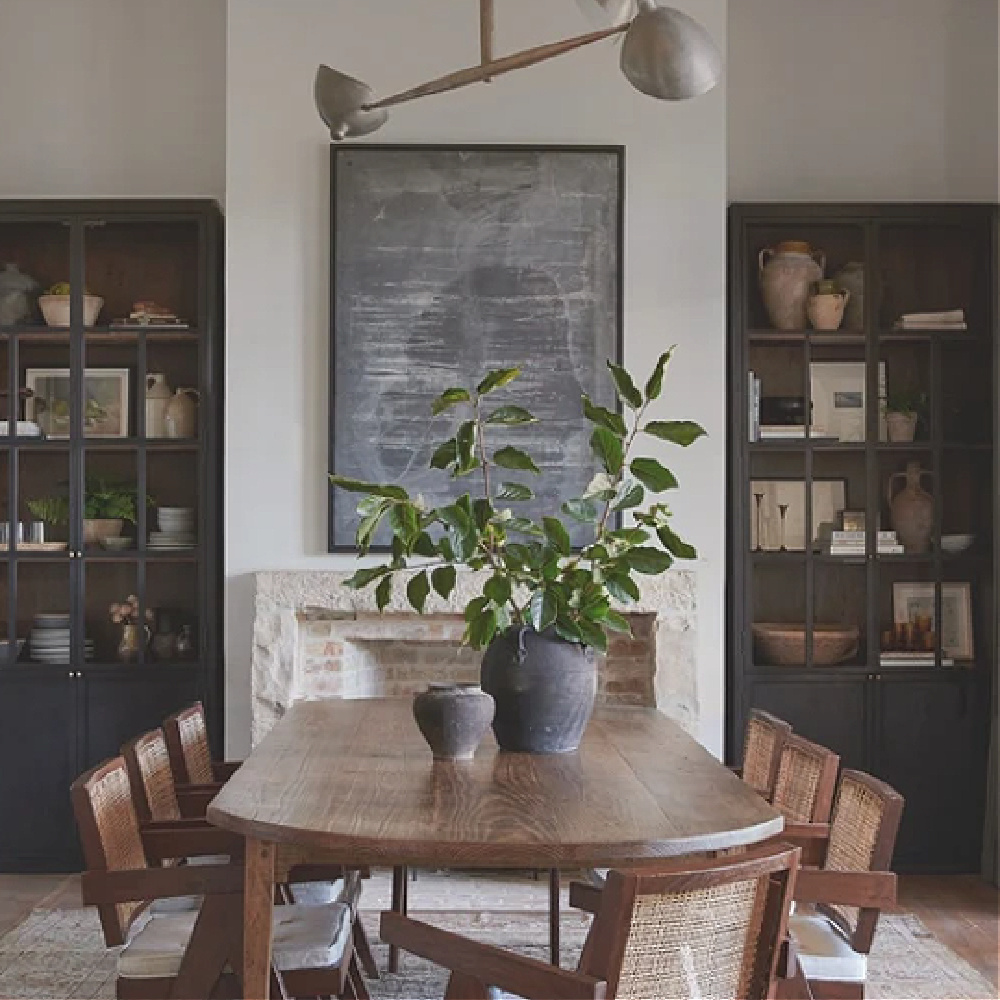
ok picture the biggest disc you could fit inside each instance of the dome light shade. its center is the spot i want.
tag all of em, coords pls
(341, 101)
(668, 55)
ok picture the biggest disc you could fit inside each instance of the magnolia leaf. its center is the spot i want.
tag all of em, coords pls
(443, 580)
(682, 432)
(608, 448)
(515, 491)
(542, 610)
(498, 589)
(592, 634)
(456, 517)
(496, 379)
(383, 593)
(424, 545)
(617, 623)
(630, 536)
(465, 439)
(417, 590)
(653, 475)
(622, 587)
(601, 487)
(614, 422)
(475, 608)
(363, 577)
(556, 535)
(567, 629)
(675, 544)
(514, 458)
(655, 384)
(357, 486)
(580, 510)
(511, 415)
(625, 386)
(445, 454)
(632, 497)
(448, 399)
(482, 628)
(648, 560)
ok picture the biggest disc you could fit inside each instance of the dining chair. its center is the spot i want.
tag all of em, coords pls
(688, 928)
(838, 904)
(764, 739)
(190, 954)
(186, 733)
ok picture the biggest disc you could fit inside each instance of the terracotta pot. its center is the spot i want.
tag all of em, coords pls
(453, 718)
(901, 427)
(96, 529)
(786, 274)
(826, 310)
(912, 509)
(851, 277)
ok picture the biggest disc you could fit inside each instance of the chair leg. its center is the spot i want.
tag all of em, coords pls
(554, 885)
(399, 903)
(462, 987)
(356, 981)
(364, 950)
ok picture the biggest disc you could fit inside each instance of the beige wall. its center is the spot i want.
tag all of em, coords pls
(863, 100)
(112, 98)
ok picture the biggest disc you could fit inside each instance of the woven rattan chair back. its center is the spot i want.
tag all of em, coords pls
(711, 928)
(765, 736)
(863, 830)
(807, 779)
(109, 832)
(152, 779)
(187, 741)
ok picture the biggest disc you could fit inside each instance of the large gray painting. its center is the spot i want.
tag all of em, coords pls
(451, 261)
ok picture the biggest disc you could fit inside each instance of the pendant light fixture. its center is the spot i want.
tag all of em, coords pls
(665, 54)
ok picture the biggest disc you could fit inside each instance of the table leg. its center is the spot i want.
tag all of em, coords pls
(399, 905)
(258, 903)
(554, 886)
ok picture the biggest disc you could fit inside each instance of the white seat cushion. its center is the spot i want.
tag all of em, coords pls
(342, 890)
(175, 904)
(305, 937)
(824, 952)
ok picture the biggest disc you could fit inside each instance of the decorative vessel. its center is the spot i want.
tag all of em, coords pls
(158, 395)
(787, 272)
(180, 416)
(56, 309)
(825, 307)
(912, 509)
(97, 529)
(17, 295)
(453, 718)
(544, 688)
(130, 642)
(851, 278)
(185, 646)
(954, 544)
(900, 427)
(784, 645)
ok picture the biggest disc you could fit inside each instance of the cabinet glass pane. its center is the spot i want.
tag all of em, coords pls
(906, 616)
(172, 592)
(906, 416)
(35, 258)
(113, 610)
(43, 609)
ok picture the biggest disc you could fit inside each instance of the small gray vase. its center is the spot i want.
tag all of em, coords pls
(453, 718)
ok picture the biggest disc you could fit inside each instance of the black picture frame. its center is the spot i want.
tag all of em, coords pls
(340, 538)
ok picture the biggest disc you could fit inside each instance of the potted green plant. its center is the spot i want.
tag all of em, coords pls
(902, 411)
(107, 505)
(544, 608)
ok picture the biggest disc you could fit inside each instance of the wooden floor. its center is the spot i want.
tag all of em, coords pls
(961, 911)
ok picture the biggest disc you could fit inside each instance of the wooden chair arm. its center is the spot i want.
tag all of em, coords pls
(194, 799)
(223, 770)
(188, 839)
(584, 896)
(505, 970)
(160, 883)
(874, 890)
(811, 839)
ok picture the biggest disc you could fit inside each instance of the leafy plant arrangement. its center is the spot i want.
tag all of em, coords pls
(908, 401)
(102, 499)
(537, 580)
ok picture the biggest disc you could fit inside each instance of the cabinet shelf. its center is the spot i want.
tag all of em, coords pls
(101, 444)
(118, 336)
(848, 338)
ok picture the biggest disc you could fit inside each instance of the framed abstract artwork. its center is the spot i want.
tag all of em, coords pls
(448, 261)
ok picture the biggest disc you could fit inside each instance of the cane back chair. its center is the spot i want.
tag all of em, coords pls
(762, 745)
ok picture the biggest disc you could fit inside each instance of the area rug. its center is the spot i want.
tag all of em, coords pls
(60, 953)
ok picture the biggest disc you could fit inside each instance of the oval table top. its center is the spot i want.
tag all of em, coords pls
(357, 779)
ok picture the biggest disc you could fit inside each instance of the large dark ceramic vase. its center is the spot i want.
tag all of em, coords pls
(544, 689)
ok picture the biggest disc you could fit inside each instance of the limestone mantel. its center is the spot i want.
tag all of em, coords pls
(300, 615)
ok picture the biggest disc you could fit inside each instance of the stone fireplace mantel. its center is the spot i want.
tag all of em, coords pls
(314, 637)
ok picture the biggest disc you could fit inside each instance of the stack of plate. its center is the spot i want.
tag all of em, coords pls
(176, 529)
(49, 641)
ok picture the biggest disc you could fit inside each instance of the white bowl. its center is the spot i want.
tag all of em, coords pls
(55, 309)
(953, 544)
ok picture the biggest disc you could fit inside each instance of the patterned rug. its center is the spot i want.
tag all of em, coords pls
(60, 953)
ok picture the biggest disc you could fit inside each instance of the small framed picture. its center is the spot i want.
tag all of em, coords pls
(916, 600)
(106, 401)
(852, 520)
(838, 390)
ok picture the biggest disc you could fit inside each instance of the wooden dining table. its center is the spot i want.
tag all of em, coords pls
(355, 781)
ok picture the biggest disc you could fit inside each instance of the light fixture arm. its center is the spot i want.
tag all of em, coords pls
(487, 24)
(495, 67)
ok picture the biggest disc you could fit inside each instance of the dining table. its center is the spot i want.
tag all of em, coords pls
(355, 781)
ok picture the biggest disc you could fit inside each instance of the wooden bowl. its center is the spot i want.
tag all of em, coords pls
(784, 645)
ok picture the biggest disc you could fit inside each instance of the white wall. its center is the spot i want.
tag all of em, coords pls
(863, 100)
(277, 257)
(112, 98)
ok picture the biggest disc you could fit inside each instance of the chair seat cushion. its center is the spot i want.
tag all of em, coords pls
(342, 890)
(305, 937)
(824, 952)
(175, 904)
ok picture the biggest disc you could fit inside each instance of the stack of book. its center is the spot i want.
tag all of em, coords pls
(791, 432)
(852, 543)
(753, 402)
(911, 658)
(950, 319)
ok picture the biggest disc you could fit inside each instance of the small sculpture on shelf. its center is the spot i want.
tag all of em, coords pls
(902, 412)
(825, 306)
(135, 627)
